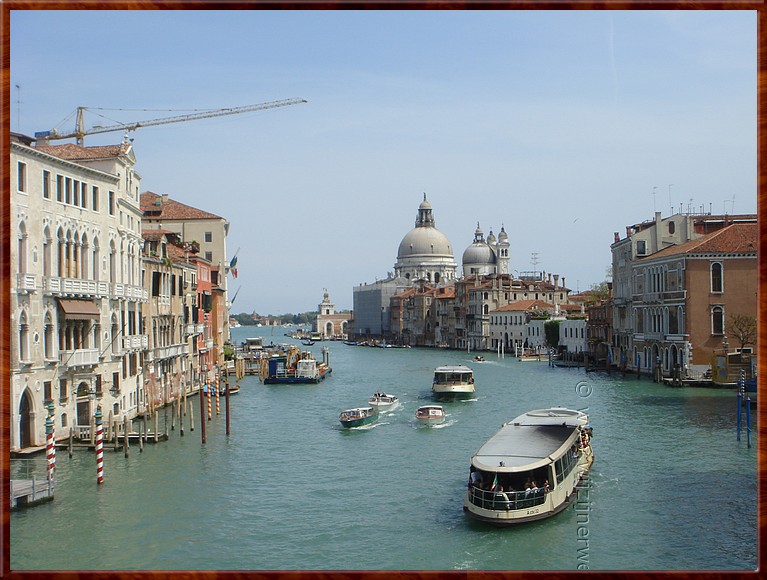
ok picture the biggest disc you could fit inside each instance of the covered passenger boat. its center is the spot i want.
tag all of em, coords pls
(530, 468)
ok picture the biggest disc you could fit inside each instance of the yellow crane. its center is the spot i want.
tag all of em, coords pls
(80, 132)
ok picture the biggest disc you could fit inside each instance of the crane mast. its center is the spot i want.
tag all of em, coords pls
(80, 132)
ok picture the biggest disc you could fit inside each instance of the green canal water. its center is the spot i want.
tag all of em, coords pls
(289, 489)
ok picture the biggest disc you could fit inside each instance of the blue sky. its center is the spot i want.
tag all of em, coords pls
(558, 125)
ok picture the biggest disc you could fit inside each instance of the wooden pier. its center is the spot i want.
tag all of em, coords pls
(29, 492)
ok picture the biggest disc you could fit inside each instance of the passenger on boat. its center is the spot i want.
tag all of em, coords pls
(501, 499)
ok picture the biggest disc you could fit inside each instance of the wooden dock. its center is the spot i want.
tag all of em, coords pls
(29, 492)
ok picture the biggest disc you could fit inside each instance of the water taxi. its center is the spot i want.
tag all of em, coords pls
(453, 382)
(430, 415)
(530, 468)
(358, 416)
(384, 402)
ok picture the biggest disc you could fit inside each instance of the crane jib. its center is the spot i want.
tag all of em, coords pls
(80, 130)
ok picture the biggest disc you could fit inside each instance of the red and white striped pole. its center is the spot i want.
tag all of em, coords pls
(99, 447)
(218, 404)
(50, 446)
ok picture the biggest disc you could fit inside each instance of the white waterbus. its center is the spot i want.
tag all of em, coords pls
(453, 382)
(530, 468)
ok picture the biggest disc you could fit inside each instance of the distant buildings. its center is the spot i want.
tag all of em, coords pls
(678, 284)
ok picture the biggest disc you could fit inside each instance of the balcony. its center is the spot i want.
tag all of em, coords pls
(129, 292)
(75, 287)
(174, 350)
(135, 342)
(79, 357)
(26, 283)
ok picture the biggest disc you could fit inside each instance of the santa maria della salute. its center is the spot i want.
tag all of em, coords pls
(425, 302)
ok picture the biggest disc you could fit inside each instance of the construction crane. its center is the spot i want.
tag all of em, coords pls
(80, 132)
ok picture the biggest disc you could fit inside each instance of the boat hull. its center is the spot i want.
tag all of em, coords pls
(297, 380)
(448, 393)
(358, 422)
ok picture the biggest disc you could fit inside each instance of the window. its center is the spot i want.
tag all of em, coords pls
(209, 256)
(95, 196)
(47, 396)
(671, 228)
(59, 188)
(111, 203)
(76, 192)
(21, 177)
(716, 277)
(208, 236)
(717, 320)
(63, 396)
(67, 190)
(46, 184)
(641, 247)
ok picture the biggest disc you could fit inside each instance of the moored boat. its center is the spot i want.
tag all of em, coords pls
(358, 416)
(530, 468)
(430, 415)
(453, 382)
(295, 367)
(384, 402)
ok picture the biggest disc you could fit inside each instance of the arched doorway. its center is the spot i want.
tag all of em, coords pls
(328, 329)
(25, 421)
(83, 404)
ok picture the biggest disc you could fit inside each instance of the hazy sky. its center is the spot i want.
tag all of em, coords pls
(557, 125)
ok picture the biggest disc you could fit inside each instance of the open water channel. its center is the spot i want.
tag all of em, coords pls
(289, 489)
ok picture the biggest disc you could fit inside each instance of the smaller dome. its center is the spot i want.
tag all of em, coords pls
(491, 238)
(502, 236)
(478, 253)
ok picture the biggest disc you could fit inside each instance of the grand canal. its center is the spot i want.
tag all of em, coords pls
(671, 487)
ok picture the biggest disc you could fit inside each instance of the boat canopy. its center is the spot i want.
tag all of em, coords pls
(553, 416)
(462, 369)
(516, 448)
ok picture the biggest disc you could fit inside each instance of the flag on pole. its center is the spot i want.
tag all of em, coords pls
(233, 263)
(234, 272)
(495, 483)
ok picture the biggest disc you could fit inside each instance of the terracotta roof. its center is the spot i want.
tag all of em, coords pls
(740, 238)
(155, 235)
(72, 152)
(169, 209)
(525, 305)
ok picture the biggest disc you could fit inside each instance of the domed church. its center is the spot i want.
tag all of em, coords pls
(425, 253)
(482, 257)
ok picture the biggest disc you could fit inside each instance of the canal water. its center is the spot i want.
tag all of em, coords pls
(289, 489)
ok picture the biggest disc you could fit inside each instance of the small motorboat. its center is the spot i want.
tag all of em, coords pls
(384, 402)
(358, 416)
(430, 415)
(479, 358)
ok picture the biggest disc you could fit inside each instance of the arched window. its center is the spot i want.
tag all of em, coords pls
(22, 247)
(47, 257)
(717, 280)
(48, 337)
(23, 337)
(717, 320)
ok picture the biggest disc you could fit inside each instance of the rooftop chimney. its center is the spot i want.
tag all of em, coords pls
(616, 237)
(165, 198)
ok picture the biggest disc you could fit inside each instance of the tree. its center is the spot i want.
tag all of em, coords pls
(743, 328)
(600, 291)
(551, 330)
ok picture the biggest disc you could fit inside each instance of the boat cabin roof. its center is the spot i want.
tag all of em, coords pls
(453, 369)
(516, 447)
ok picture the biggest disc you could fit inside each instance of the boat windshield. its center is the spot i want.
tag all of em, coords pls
(452, 378)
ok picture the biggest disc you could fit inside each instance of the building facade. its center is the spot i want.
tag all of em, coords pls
(330, 324)
(205, 229)
(77, 338)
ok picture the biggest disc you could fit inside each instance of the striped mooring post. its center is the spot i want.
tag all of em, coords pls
(99, 447)
(50, 442)
(210, 396)
(218, 404)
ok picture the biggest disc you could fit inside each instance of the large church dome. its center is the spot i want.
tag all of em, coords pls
(425, 252)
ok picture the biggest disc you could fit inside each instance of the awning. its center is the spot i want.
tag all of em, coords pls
(79, 309)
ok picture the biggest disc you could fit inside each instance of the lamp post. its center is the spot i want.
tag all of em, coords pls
(726, 347)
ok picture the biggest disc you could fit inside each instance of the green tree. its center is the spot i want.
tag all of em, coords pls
(551, 330)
